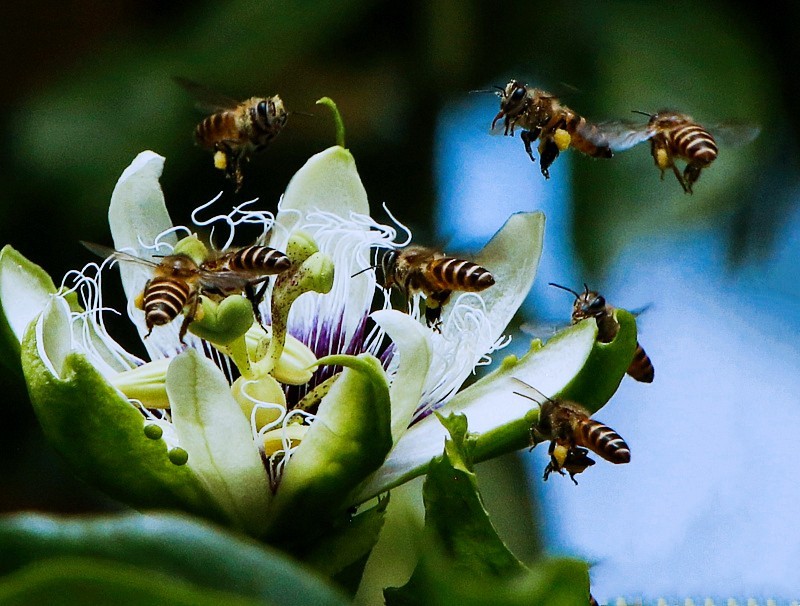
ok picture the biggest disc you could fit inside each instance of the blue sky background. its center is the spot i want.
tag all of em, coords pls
(709, 503)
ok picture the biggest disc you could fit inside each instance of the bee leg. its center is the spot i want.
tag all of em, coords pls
(548, 152)
(255, 298)
(687, 188)
(529, 137)
(433, 308)
(189, 317)
(691, 174)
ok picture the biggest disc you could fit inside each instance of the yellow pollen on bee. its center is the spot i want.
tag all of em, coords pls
(220, 160)
(560, 454)
(662, 158)
(562, 139)
(139, 301)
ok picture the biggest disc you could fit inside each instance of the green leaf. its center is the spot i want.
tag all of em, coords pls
(343, 553)
(212, 428)
(100, 434)
(348, 440)
(571, 364)
(550, 582)
(464, 561)
(88, 582)
(185, 550)
(454, 511)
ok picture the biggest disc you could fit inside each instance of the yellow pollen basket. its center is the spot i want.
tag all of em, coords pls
(220, 160)
(562, 139)
(662, 159)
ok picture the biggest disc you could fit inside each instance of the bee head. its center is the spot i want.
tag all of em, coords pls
(388, 266)
(271, 112)
(180, 266)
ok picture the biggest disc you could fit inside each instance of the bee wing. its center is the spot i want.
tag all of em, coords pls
(543, 331)
(228, 281)
(207, 99)
(733, 134)
(618, 135)
(105, 252)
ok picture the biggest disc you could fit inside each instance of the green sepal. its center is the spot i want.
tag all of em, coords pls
(572, 363)
(464, 561)
(600, 376)
(343, 553)
(101, 435)
(185, 550)
(348, 440)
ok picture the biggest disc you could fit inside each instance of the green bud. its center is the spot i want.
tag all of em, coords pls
(153, 431)
(145, 383)
(192, 247)
(178, 456)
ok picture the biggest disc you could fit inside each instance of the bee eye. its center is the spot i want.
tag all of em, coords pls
(598, 303)
(261, 109)
(518, 93)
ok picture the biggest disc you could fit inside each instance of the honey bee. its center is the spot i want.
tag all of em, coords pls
(421, 269)
(235, 129)
(572, 434)
(590, 304)
(542, 116)
(178, 281)
(676, 136)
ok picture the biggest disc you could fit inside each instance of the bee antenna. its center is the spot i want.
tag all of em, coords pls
(482, 90)
(501, 89)
(564, 288)
(529, 386)
(363, 270)
(637, 111)
(585, 288)
(293, 113)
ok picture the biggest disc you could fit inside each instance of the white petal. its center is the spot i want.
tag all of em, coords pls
(25, 289)
(327, 199)
(212, 428)
(54, 335)
(489, 404)
(413, 351)
(137, 215)
(473, 322)
(327, 182)
(512, 256)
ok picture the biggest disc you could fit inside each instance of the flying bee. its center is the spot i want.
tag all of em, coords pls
(235, 129)
(542, 116)
(178, 280)
(676, 136)
(572, 434)
(421, 269)
(591, 304)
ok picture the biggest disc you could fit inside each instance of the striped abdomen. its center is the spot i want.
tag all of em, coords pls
(163, 300)
(447, 273)
(641, 367)
(694, 143)
(217, 128)
(602, 440)
(587, 138)
(257, 260)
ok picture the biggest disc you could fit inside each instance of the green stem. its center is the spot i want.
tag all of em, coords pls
(337, 118)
